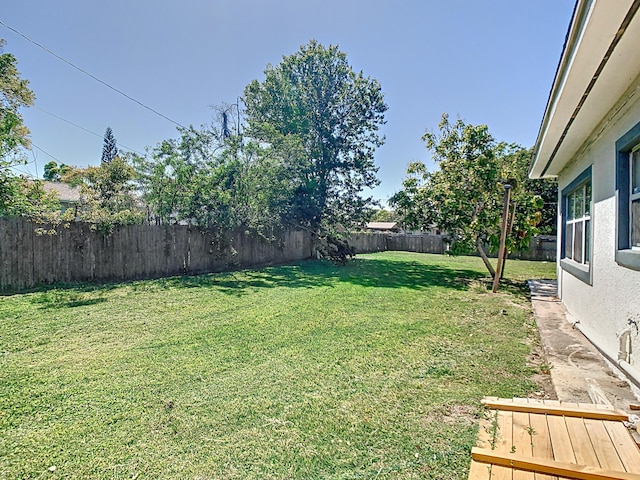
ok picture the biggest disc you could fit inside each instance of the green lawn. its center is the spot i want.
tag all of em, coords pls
(373, 370)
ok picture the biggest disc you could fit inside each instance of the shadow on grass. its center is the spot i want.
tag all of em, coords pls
(245, 281)
(78, 287)
(310, 274)
(516, 287)
(65, 298)
(307, 274)
(413, 275)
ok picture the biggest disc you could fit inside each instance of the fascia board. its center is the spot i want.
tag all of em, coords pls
(572, 82)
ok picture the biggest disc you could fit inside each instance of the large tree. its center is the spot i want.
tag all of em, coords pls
(19, 196)
(186, 180)
(14, 135)
(214, 180)
(322, 120)
(14, 94)
(464, 196)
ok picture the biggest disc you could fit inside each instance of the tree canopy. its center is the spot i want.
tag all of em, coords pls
(108, 194)
(17, 195)
(214, 179)
(383, 215)
(186, 180)
(464, 196)
(320, 119)
(54, 172)
(14, 94)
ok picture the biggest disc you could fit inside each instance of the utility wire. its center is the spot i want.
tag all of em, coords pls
(85, 129)
(35, 162)
(45, 152)
(89, 74)
(21, 168)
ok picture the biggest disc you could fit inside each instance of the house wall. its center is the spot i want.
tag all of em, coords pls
(605, 306)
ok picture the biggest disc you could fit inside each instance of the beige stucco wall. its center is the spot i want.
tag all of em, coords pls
(605, 307)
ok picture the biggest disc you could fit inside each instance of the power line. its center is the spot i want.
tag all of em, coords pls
(89, 74)
(85, 129)
(45, 152)
(21, 168)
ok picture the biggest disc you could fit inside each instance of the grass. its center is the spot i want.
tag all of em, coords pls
(373, 370)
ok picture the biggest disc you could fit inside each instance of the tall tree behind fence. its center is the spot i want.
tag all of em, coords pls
(78, 253)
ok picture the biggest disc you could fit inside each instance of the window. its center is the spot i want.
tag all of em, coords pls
(576, 228)
(628, 199)
(578, 225)
(634, 166)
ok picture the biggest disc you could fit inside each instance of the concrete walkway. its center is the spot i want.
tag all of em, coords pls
(578, 370)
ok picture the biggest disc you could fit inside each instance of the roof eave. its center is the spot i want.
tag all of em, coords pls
(597, 66)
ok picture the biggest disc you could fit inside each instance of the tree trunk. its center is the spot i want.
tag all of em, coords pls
(485, 259)
(506, 253)
(503, 236)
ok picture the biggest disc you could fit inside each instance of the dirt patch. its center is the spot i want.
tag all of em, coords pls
(456, 414)
(545, 388)
(542, 377)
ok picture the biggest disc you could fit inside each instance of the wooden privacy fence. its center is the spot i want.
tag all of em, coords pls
(381, 242)
(130, 252)
(79, 254)
(541, 248)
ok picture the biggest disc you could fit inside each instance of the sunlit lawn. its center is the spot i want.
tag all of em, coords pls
(373, 370)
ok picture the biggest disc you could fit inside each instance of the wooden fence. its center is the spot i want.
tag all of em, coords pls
(380, 242)
(78, 253)
(542, 248)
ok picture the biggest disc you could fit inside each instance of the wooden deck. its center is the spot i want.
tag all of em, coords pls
(526, 439)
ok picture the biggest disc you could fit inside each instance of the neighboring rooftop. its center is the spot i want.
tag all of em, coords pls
(66, 192)
(383, 226)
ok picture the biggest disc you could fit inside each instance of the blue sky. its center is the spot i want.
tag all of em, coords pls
(490, 62)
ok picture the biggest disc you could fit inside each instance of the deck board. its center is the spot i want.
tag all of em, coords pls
(580, 442)
(522, 442)
(478, 470)
(606, 452)
(541, 442)
(560, 439)
(503, 444)
(624, 445)
(565, 409)
(576, 437)
(570, 470)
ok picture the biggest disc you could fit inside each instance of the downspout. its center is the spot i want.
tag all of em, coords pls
(625, 367)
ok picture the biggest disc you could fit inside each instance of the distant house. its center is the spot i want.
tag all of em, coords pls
(383, 227)
(590, 141)
(68, 196)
